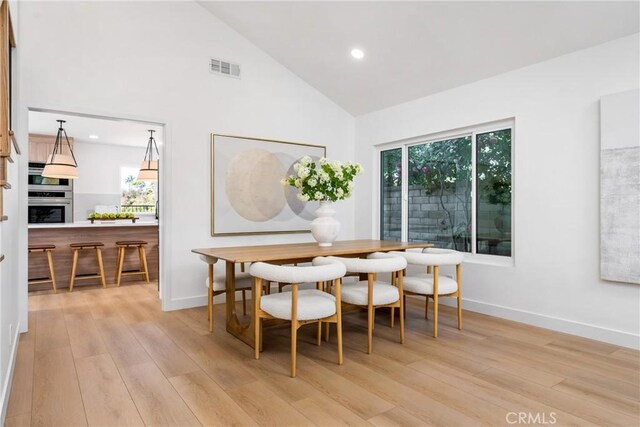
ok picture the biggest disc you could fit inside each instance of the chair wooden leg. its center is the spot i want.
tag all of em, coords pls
(143, 262)
(120, 266)
(404, 303)
(210, 297)
(326, 331)
(459, 311)
(294, 341)
(319, 333)
(393, 315)
(101, 267)
(402, 309)
(294, 327)
(370, 314)
(256, 320)
(459, 293)
(402, 306)
(52, 273)
(118, 263)
(74, 266)
(436, 270)
(338, 285)
(435, 316)
(426, 308)
(244, 302)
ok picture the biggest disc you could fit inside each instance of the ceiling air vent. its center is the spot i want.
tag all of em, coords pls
(218, 66)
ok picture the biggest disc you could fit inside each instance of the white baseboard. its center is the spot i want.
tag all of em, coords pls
(6, 387)
(199, 301)
(187, 302)
(585, 330)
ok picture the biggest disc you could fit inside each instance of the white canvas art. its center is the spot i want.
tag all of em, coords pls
(620, 187)
(247, 197)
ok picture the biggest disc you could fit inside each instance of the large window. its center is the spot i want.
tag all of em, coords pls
(137, 196)
(427, 190)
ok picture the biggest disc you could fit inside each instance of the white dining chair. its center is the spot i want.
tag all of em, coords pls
(432, 284)
(372, 293)
(216, 285)
(301, 307)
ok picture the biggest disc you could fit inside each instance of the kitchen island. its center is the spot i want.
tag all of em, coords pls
(107, 232)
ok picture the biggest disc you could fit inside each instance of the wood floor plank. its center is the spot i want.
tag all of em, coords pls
(157, 401)
(476, 407)
(56, 394)
(106, 399)
(564, 364)
(52, 331)
(83, 334)
(209, 402)
(22, 420)
(168, 356)
(221, 365)
(504, 397)
(122, 345)
(265, 408)
(599, 396)
(22, 388)
(323, 411)
(349, 394)
(388, 390)
(395, 417)
(568, 403)
(628, 355)
(112, 357)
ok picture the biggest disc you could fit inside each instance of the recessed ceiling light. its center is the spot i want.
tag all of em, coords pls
(93, 136)
(357, 53)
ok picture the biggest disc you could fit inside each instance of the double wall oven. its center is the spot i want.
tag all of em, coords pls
(50, 199)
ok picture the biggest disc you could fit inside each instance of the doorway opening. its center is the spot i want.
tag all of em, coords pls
(105, 223)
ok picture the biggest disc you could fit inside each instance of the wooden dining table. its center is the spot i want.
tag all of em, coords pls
(284, 254)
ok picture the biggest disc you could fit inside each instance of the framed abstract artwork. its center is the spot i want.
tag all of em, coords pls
(246, 194)
(619, 184)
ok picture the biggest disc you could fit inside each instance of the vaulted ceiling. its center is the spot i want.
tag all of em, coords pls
(413, 49)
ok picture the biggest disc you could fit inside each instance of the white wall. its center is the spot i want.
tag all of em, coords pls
(555, 281)
(99, 180)
(149, 60)
(10, 247)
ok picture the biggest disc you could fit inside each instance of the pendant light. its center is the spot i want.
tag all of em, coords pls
(149, 167)
(61, 165)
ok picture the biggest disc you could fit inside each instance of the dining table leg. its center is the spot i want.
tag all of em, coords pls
(241, 331)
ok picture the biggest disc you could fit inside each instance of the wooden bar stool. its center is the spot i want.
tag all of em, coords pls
(76, 248)
(47, 249)
(123, 245)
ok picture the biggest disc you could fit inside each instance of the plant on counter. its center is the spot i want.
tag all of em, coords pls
(106, 216)
(327, 181)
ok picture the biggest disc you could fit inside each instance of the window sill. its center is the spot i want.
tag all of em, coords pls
(493, 260)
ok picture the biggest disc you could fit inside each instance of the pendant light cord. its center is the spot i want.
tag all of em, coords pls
(148, 155)
(57, 146)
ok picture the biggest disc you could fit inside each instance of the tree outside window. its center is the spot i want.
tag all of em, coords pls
(137, 196)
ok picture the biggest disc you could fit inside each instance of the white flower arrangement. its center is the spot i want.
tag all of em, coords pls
(326, 181)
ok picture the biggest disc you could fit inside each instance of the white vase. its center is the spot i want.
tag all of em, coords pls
(325, 227)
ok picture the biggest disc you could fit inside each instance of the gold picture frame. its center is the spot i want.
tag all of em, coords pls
(291, 150)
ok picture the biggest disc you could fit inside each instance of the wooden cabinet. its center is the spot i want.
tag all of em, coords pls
(7, 139)
(41, 147)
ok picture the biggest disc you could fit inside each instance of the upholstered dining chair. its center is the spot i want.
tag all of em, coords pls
(432, 284)
(372, 293)
(216, 285)
(299, 306)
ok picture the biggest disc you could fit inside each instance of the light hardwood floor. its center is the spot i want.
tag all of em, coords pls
(111, 357)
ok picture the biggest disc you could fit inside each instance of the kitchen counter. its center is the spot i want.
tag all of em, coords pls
(62, 235)
(97, 224)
